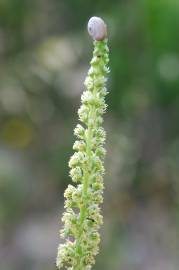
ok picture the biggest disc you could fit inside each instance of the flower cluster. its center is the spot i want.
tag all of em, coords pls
(82, 218)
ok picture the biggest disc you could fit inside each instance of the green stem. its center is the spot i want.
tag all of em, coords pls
(86, 182)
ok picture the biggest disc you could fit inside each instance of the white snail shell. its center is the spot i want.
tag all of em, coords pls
(97, 28)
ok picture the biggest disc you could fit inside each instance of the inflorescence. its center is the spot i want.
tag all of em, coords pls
(82, 218)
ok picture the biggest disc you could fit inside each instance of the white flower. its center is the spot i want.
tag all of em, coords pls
(83, 218)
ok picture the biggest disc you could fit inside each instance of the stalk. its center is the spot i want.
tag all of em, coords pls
(82, 218)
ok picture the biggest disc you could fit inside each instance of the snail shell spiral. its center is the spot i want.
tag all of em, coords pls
(97, 28)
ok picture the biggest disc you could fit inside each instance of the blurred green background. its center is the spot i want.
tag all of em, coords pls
(44, 57)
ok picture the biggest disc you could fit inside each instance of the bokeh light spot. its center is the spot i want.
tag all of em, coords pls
(17, 133)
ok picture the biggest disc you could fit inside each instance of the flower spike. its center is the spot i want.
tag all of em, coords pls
(82, 218)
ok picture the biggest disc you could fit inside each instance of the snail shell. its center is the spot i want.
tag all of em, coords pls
(97, 28)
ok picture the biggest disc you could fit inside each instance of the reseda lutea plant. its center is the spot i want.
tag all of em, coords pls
(83, 218)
